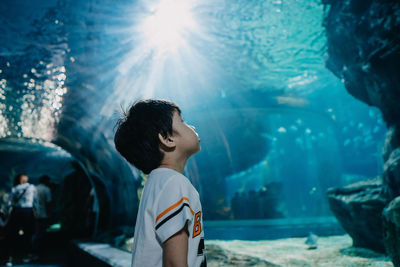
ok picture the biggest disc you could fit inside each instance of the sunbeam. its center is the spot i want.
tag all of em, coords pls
(165, 55)
(165, 28)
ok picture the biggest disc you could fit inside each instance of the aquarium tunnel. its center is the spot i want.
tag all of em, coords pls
(296, 103)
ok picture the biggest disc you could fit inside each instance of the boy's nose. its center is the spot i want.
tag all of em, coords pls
(191, 126)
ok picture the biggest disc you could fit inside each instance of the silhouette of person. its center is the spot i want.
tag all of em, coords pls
(41, 209)
(21, 222)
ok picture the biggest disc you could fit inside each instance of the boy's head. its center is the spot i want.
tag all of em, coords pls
(151, 128)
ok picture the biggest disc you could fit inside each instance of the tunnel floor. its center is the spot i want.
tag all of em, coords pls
(47, 265)
(53, 254)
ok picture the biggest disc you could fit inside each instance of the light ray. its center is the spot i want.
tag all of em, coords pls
(165, 28)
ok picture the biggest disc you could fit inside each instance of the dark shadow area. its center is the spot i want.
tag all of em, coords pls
(78, 208)
(361, 252)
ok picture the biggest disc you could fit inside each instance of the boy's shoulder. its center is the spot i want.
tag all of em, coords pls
(162, 179)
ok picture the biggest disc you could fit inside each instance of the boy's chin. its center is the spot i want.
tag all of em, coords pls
(198, 148)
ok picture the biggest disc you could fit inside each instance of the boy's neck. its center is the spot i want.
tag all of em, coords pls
(178, 166)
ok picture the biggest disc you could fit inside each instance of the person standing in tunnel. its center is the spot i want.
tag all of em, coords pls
(169, 226)
(41, 209)
(21, 221)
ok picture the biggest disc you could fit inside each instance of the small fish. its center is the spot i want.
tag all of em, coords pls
(371, 113)
(269, 137)
(292, 101)
(312, 241)
(282, 130)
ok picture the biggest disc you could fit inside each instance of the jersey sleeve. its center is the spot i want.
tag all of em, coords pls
(173, 209)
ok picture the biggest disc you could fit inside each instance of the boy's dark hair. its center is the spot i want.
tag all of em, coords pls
(136, 138)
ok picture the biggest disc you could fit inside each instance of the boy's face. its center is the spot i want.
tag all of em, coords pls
(185, 136)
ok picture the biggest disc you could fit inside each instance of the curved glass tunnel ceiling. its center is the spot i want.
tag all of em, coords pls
(34, 157)
(72, 187)
(245, 74)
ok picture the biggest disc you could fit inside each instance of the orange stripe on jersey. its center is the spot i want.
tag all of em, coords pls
(173, 207)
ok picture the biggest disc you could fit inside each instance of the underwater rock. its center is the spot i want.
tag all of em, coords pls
(391, 174)
(363, 51)
(391, 228)
(358, 208)
(392, 141)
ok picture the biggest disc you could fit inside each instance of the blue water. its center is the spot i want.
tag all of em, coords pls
(250, 75)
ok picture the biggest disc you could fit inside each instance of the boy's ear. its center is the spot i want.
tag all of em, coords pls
(167, 142)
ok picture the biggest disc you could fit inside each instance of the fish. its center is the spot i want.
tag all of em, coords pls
(312, 241)
(292, 101)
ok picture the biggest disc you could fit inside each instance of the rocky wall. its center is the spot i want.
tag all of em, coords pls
(363, 50)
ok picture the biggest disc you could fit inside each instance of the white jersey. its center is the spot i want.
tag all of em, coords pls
(168, 201)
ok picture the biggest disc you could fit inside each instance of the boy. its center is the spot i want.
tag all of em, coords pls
(169, 225)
